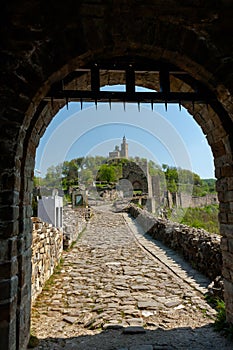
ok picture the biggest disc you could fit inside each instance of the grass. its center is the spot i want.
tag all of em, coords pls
(220, 324)
(74, 242)
(204, 217)
(33, 341)
(51, 279)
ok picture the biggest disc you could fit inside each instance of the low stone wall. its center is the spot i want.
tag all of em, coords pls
(74, 222)
(47, 247)
(197, 246)
(48, 243)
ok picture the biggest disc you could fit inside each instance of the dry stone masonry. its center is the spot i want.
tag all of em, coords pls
(47, 248)
(74, 222)
(48, 243)
(200, 248)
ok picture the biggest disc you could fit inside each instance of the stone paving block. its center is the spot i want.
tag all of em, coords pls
(112, 326)
(148, 305)
(135, 321)
(70, 319)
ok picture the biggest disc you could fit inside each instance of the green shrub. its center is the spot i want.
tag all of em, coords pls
(204, 217)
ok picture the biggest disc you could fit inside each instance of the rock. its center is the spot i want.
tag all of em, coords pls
(135, 321)
(112, 326)
(147, 305)
(70, 319)
(147, 313)
(172, 303)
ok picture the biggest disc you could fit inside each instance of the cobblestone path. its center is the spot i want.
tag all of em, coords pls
(112, 294)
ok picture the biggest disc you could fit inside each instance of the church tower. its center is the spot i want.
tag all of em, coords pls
(124, 149)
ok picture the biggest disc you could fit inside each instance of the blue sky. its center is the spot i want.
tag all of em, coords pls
(171, 137)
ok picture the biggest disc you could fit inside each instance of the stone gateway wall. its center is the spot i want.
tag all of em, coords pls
(80, 35)
(47, 247)
(197, 246)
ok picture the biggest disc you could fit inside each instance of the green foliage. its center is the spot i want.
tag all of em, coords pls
(33, 342)
(86, 170)
(37, 181)
(220, 322)
(107, 173)
(34, 206)
(183, 180)
(70, 172)
(210, 185)
(53, 176)
(204, 217)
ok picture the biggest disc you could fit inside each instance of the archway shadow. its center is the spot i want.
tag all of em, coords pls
(202, 338)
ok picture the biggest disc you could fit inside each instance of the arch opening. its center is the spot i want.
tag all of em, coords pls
(30, 72)
(201, 113)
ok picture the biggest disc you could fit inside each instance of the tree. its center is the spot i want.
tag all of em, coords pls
(86, 177)
(106, 173)
(53, 176)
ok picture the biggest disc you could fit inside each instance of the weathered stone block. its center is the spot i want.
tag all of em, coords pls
(226, 230)
(227, 171)
(230, 245)
(8, 248)
(8, 288)
(9, 268)
(228, 292)
(224, 244)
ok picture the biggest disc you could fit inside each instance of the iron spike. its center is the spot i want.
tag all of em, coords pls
(81, 103)
(52, 102)
(180, 106)
(138, 106)
(152, 105)
(124, 105)
(96, 104)
(110, 104)
(166, 106)
(67, 103)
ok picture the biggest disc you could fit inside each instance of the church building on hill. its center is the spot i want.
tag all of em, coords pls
(120, 152)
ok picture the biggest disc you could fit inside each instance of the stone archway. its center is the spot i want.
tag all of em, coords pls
(41, 44)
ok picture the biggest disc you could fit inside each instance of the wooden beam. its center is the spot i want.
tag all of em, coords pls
(118, 96)
(164, 80)
(95, 79)
(130, 80)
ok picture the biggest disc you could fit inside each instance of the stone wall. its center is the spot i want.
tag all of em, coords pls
(197, 246)
(74, 222)
(47, 247)
(186, 200)
(48, 243)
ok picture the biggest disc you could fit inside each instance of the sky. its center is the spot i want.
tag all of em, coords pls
(167, 137)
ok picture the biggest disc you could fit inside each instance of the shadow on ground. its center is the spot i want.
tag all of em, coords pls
(157, 339)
